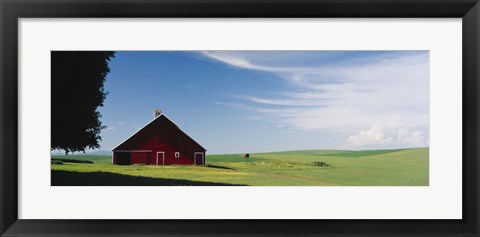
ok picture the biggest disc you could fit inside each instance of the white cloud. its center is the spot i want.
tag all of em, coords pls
(233, 60)
(379, 137)
(373, 136)
(411, 139)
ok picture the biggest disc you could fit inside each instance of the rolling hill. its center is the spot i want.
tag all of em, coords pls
(399, 167)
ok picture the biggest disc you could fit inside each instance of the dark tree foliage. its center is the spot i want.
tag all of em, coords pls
(77, 92)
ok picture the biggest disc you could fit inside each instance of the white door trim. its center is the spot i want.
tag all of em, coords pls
(195, 157)
(163, 159)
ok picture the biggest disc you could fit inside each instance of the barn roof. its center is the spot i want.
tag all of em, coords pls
(161, 115)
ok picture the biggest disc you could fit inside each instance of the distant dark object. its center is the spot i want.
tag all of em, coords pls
(77, 92)
(160, 142)
(246, 156)
(320, 164)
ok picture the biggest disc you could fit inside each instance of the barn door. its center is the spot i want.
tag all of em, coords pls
(198, 158)
(123, 158)
(160, 158)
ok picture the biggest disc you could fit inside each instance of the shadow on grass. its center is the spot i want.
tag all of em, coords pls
(70, 178)
(219, 167)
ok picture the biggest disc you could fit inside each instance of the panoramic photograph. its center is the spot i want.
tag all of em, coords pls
(240, 118)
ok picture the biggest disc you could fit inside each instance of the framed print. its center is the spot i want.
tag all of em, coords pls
(239, 118)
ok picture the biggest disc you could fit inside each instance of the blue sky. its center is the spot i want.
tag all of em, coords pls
(258, 101)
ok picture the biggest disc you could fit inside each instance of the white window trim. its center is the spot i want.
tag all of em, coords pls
(177, 154)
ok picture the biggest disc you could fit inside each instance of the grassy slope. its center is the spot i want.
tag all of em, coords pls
(365, 168)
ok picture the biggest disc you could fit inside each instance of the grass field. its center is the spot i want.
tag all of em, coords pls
(401, 167)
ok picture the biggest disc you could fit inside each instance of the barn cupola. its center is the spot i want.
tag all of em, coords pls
(157, 112)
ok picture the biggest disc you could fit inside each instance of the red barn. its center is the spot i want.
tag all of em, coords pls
(160, 142)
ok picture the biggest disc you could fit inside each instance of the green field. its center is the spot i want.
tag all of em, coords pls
(400, 167)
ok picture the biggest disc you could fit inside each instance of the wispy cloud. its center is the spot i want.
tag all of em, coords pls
(348, 94)
(108, 128)
(238, 106)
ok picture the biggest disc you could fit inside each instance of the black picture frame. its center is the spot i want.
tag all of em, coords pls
(12, 10)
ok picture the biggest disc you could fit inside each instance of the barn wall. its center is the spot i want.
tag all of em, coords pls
(139, 157)
(186, 157)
